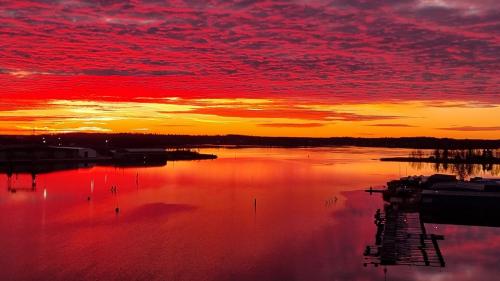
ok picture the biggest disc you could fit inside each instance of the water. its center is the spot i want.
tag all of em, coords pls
(252, 214)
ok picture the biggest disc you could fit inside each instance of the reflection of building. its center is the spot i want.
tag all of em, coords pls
(40, 152)
(35, 159)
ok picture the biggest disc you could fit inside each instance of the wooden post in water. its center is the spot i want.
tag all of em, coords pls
(33, 181)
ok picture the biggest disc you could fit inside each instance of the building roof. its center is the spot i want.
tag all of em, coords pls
(70, 147)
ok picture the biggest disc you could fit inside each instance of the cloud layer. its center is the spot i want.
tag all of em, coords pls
(416, 49)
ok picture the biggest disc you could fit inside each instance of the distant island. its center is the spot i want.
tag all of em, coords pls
(101, 141)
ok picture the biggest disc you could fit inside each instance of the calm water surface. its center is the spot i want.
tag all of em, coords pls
(252, 214)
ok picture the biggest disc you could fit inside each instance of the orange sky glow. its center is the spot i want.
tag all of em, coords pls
(273, 115)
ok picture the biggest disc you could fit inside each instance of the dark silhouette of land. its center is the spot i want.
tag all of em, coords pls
(463, 162)
(47, 153)
(125, 140)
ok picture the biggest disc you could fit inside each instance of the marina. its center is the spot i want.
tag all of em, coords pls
(413, 202)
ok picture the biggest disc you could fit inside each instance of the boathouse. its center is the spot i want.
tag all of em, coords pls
(41, 152)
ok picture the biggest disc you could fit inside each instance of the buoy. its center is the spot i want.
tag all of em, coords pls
(88, 198)
(117, 210)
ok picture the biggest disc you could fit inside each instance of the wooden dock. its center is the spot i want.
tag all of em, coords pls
(401, 239)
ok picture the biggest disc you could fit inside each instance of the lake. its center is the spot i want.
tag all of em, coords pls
(252, 214)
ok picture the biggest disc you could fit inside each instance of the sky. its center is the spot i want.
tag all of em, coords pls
(255, 67)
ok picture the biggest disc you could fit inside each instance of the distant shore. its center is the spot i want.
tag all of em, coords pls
(125, 140)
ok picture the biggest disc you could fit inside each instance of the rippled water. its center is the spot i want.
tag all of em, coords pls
(252, 214)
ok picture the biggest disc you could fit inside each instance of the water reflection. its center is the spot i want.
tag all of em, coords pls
(12, 187)
(14, 170)
(463, 163)
(252, 214)
(462, 170)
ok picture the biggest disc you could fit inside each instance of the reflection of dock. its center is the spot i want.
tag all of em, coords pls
(401, 239)
(13, 189)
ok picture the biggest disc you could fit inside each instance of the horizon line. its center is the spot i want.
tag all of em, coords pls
(239, 135)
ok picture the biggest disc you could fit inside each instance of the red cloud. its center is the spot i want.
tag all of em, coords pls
(350, 50)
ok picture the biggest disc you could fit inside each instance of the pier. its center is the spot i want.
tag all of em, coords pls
(401, 239)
